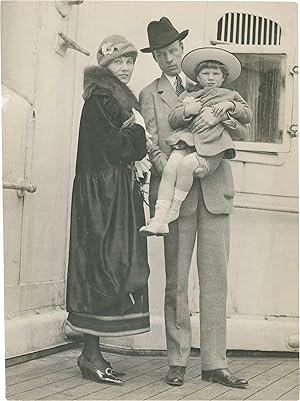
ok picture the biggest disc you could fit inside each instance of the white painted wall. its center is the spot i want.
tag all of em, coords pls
(36, 81)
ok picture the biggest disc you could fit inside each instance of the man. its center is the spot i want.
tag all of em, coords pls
(205, 212)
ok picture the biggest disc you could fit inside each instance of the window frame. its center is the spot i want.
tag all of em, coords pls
(264, 147)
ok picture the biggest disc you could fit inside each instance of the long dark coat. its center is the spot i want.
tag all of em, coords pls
(107, 291)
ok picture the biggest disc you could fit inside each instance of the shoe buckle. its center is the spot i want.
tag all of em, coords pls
(108, 371)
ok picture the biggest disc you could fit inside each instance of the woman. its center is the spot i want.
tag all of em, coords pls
(107, 292)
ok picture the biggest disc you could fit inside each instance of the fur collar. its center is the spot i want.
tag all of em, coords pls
(102, 78)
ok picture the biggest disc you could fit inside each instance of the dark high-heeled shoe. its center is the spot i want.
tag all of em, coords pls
(91, 372)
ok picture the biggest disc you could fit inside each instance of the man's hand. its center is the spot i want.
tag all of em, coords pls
(222, 108)
(204, 121)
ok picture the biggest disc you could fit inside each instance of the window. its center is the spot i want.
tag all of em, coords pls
(262, 80)
(247, 29)
(261, 84)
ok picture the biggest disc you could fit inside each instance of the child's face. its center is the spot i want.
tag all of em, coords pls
(210, 77)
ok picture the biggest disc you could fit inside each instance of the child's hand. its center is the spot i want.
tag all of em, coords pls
(222, 107)
(192, 109)
(179, 145)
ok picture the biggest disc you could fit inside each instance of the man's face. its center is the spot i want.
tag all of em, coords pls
(169, 58)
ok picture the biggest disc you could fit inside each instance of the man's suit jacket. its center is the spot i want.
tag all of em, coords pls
(157, 101)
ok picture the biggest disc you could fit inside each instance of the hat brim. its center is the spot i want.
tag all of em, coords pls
(180, 36)
(192, 59)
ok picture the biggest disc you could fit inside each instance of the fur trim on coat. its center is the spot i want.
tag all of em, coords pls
(96, 77)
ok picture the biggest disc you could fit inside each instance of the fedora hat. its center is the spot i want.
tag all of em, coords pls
(192, 59)
(162, 33)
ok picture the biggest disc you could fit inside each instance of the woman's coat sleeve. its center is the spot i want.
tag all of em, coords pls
(126, 144)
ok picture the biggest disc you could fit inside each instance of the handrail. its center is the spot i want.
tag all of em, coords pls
(64, 43)
(20, 187)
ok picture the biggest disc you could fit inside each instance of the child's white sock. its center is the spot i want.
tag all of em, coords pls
(179, 197)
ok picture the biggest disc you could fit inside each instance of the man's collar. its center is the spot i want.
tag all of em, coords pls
(172, 79)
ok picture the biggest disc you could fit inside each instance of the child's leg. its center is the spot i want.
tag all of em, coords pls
(185, 171)
(187, 167)
(168, 179)
(184, 183)
(158, 225)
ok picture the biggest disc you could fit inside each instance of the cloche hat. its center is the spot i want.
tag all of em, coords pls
(192, 59)
(162, 33)
(112, 47)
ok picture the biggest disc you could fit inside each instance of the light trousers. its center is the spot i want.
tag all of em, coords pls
(212, 260)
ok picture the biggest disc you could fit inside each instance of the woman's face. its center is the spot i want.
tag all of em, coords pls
(122, 68)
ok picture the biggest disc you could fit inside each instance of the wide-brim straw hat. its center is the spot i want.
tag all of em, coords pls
(192, 59)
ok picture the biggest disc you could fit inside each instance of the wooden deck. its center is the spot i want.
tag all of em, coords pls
(56, 377)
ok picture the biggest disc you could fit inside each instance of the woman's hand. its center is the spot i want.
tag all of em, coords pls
(129, 122)
(139, 118)
(204, 121)
(222, 108)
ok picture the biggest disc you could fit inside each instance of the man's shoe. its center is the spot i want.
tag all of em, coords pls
(175, 376)
(223, 376)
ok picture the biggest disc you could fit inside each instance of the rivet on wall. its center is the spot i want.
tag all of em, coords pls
(293, 341)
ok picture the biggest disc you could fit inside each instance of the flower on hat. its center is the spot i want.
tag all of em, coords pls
(107, 48)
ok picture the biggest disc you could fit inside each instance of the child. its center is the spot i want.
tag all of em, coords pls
(198, 153)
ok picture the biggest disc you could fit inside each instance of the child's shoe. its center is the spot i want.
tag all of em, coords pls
(158, 225)
(179, 197)
(155, 227)
(173, 214)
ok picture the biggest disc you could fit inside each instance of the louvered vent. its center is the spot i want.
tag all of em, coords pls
(247, 29)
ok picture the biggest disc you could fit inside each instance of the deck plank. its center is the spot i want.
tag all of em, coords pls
(292, 395)
(155, 375)
(57, 377)
(78, 389)
(193, 383)
(50, 384)
(45, 361)
(51, 368)
(160, 385)
(208, 391)
(37, 384)
(280, 386)
(40, 362)
(261, 378)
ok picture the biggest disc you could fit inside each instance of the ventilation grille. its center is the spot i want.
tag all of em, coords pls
(247, 29)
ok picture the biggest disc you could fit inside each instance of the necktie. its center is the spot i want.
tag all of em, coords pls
(179, 87)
